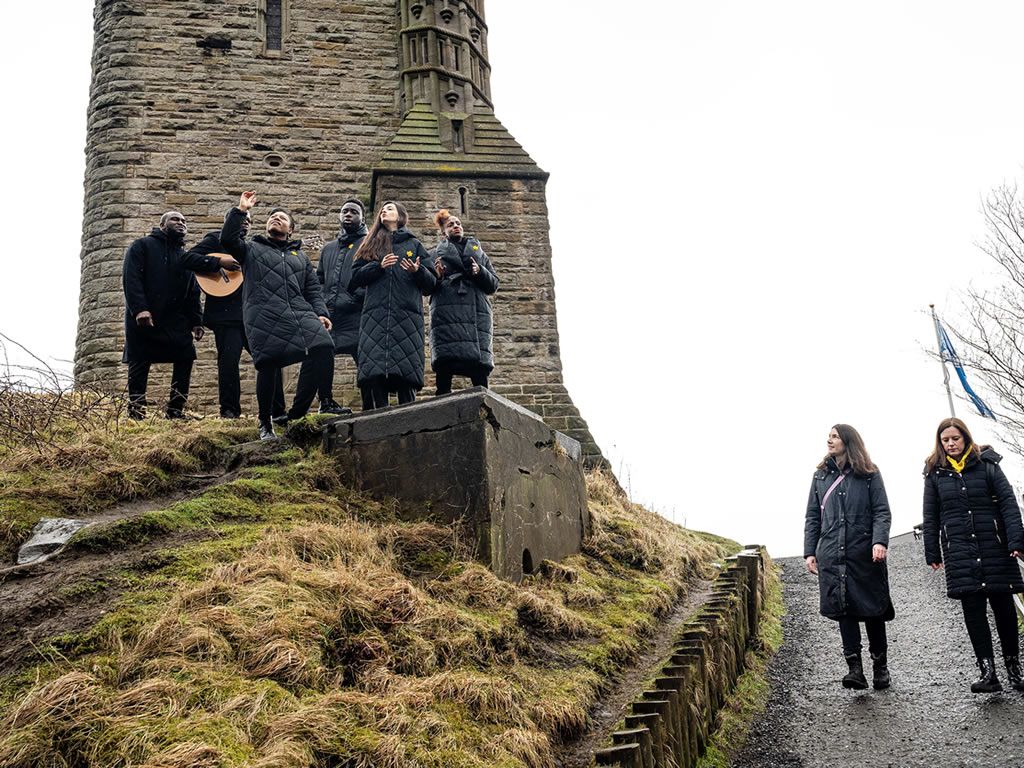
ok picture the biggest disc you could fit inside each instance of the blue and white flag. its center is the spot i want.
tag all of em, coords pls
(948, 354)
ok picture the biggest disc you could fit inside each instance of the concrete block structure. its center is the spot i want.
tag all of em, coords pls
(476, 459)
(309, 102)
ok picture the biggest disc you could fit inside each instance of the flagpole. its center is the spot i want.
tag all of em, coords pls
(942, 361)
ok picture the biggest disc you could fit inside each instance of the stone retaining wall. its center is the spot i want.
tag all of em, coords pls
(669, 724)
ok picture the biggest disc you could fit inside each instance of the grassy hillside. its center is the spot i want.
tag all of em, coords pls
(281, 619)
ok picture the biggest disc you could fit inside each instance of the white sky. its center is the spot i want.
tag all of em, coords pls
(752, 205)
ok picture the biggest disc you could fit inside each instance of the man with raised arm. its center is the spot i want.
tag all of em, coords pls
(286, 319)
(162, 314)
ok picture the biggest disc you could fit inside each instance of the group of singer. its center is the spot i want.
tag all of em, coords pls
(364, 299)
(972, 531)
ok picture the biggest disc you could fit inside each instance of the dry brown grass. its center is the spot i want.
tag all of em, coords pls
(318, 646)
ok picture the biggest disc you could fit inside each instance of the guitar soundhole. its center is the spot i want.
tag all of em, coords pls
(273, 160)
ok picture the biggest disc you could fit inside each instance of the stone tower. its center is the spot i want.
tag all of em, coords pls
(308, 102)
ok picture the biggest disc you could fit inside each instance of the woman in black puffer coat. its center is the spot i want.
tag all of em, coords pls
(846, 541)
(972, 528)
(461, 320)
(395, 269)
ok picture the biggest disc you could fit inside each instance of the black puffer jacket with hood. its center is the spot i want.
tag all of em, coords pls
(842, 536)
(334, 270)
(461, 319)
(391, 335)
(283, 300)
(971, 524)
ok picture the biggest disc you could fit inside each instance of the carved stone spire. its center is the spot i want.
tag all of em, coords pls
(443, 49)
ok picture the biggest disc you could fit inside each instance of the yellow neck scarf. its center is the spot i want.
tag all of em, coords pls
(959, 465)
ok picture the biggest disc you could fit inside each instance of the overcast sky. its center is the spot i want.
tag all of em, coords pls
(752, 206)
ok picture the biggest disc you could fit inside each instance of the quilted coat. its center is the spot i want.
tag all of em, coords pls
(842, 536)
(391, 333)
(155, 282)
(282, 298)
(461, 320)
(971, 524)
(334, 270)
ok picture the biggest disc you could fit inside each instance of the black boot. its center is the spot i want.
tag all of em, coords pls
(880, 666)
(855, 679)
(988, 682)
(267, 431)
(1013, 673)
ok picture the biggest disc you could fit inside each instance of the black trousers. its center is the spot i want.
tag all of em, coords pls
(231, 341)
(326, 391)
(379, 388)
(445, 373)
(976, 619)
(138, 381)
(311, 376)
(849, 629)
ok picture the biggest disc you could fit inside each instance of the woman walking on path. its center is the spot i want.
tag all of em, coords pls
(972, 528)
(846, 540)
(395, 269)
(461, 320)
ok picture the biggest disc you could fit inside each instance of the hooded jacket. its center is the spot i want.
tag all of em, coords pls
(842, 536)
(154, 282)
(461, 319)
(391, 336)
(334, 271)
(282, 299)
(971, 524)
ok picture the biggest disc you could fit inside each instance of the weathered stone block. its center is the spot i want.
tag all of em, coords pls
(475, 458)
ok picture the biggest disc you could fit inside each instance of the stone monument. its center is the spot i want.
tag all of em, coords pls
(308, 102)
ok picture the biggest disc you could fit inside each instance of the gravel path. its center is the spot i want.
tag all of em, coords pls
(928, 718)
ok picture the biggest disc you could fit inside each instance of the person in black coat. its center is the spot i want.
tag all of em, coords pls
(334, 271)
(395, 269)
(284, 313)
(162, 315)
(223, 316)
(461, 320)
(972, 528)
(846, 542)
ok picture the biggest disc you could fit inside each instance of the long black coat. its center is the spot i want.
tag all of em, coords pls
(282, 299)
(855, 518)
(391, 336)
(154, 281)
(461, 320)
(972, 523)
(218, 311)
(334, 271)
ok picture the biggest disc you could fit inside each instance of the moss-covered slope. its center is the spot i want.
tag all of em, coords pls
(289, 621)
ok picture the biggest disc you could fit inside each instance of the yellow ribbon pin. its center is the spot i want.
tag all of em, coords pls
(409, 254)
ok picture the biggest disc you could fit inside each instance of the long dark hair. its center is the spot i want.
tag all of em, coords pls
(938, 455)
(856, 454)
(378, 243)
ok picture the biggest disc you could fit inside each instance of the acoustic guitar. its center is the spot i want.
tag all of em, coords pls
(225, 282)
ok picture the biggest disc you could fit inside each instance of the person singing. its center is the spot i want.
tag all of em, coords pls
(286, 319)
